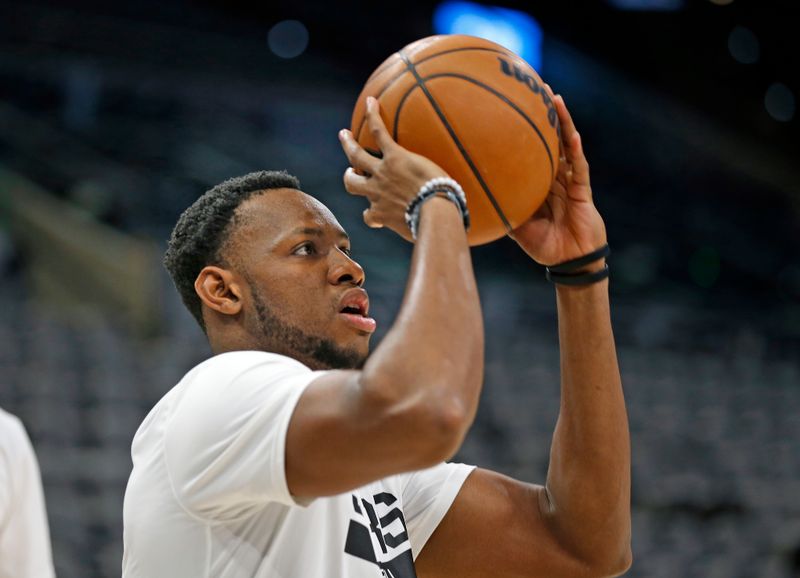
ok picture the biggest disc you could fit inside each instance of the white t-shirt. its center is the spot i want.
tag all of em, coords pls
(24, 536)
(208, 498)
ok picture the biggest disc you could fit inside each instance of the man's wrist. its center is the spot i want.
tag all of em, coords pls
(593, 267)
(437, 205)
(444, 187)
(597, 288)
(584, 270)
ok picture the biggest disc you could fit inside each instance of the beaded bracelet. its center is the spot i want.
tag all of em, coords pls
(445, 186)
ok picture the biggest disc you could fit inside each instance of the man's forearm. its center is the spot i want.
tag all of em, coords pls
(588, 480)
(433, 355)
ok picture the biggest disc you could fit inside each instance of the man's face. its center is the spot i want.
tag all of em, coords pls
(304, 298)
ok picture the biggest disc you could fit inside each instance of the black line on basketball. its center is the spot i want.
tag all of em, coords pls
(429, 57)
(461, 148)
(360, 126)
(505, 99)
(463, 48)
(399, 107)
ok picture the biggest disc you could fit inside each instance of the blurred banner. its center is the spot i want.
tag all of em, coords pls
(77, 264)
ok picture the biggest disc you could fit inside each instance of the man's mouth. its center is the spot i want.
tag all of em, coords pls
(353, 307)
(354, 310)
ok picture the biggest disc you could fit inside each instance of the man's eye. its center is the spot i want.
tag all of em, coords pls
(346, 251)
(307, 249)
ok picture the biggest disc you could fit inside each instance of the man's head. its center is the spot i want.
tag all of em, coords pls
(262, 265)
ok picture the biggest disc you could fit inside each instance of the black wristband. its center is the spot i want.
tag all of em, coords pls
(574, 264)
(576, 278)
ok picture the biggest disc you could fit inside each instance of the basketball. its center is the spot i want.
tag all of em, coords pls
(481, 113)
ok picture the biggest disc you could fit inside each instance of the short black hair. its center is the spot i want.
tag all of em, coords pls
(202, 229)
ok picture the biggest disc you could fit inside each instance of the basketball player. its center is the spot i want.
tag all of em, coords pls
(291, 454)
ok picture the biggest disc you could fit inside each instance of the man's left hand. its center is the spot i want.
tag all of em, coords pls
(567, 225)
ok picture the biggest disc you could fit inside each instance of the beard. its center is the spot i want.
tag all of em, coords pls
(314, 351)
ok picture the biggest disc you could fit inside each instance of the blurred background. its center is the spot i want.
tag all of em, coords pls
(115, 116)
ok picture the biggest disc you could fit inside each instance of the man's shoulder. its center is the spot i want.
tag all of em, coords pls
(236, 380)
(208, 385)
(211, 380)
(223, 369)
(236, 362)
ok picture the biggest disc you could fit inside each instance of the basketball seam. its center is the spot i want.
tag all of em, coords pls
(499, 95)
(467, 158)
(396, 77)
(509, 102)
(399, 108)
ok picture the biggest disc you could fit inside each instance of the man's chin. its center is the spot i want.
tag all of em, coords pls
(329, 355)
(316, 351)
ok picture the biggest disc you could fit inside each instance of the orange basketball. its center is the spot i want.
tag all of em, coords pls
(481, 113)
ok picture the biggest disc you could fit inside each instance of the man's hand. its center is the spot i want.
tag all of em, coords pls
(567, 225)
(389, 182)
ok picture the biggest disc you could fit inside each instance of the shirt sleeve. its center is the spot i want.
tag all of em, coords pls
(427, 496)
(224, 445)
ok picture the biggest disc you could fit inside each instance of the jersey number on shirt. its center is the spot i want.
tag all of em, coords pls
(378, 534)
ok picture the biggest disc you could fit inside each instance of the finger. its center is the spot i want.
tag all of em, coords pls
(572, 146)
(558, 189)
(355, 153)
(377, 127)
(355, 184)
(566, 122)
(561, 176)
(580, 166)
(371, 220)
(553, 95)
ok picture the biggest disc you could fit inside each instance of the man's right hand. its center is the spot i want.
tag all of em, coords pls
(390, 182)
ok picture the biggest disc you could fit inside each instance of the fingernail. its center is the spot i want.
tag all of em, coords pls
(370, 103)
(342, 133)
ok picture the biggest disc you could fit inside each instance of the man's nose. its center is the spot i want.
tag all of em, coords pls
(344, 270)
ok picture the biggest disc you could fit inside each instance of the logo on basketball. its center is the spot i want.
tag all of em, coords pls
(514, 71)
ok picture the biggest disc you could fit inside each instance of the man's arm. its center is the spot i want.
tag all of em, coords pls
(578, 524)
(588, 481)
(413, 402)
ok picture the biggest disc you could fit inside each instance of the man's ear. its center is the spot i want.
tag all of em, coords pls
(219, 290)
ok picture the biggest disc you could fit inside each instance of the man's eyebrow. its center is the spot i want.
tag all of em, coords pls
(316, 232)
